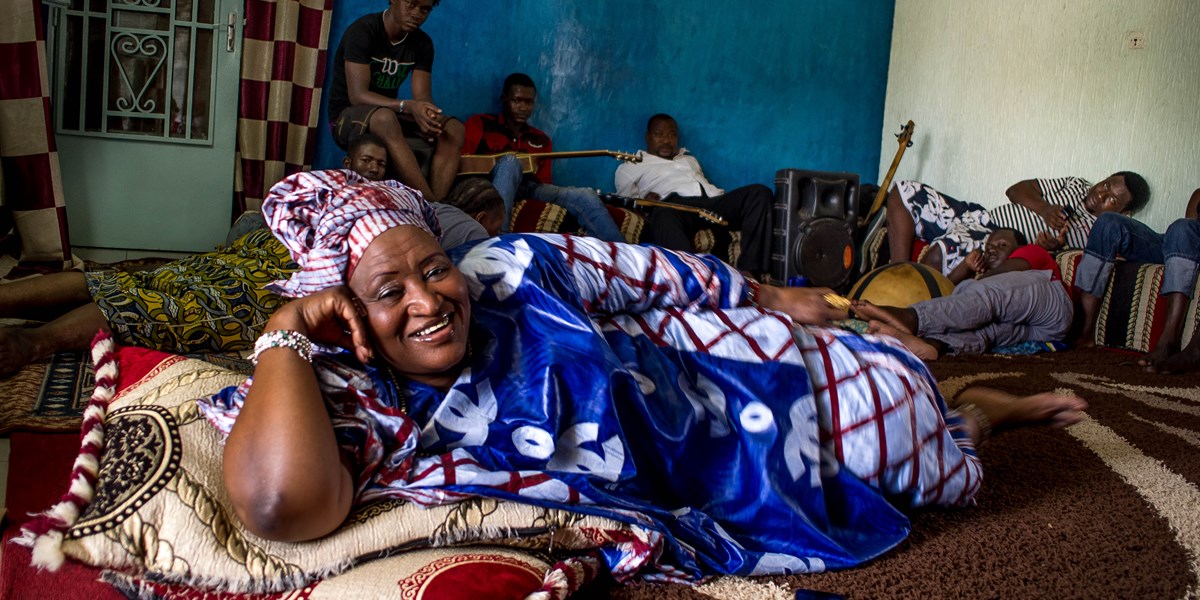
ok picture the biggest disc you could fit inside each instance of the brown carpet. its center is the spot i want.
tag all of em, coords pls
(1109, 508)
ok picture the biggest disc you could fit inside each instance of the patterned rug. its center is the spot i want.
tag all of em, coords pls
(1109, 508)
(50, 396)
(46, 396)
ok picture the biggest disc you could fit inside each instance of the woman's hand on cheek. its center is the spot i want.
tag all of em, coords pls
(804, 305)
(330, 317)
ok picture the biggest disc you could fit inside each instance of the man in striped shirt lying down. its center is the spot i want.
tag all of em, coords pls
(1054, 213)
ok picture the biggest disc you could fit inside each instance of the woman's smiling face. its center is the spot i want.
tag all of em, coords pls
(417, 305)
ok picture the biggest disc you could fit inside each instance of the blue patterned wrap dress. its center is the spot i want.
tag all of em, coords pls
(640, 384)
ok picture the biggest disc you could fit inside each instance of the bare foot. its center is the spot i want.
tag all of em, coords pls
(1186, 361)
(1047, 408)
(919, 347)
(1161, 352)
(1086, 339)
(1007, 410)
(16, 349)
(899, 318)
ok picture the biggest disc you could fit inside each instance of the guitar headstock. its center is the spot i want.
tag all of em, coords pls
(627, 157)
(906, 133)
(711, 217)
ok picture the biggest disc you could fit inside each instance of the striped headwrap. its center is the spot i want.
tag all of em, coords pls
(328, 218)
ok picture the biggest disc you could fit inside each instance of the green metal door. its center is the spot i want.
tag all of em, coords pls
(146, 116)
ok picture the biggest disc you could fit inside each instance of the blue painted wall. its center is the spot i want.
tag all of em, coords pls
(756, 85)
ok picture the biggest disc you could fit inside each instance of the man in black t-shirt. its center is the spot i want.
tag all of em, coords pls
(377, 54)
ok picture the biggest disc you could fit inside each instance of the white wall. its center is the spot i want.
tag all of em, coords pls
(1014, 89)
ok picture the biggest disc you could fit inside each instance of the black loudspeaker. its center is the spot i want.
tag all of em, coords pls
(815, 214)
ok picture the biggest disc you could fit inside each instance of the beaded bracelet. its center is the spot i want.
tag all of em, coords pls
(283, 338)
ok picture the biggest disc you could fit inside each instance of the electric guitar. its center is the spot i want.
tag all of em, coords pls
(644, 204)
(481, 164)
(905, 139)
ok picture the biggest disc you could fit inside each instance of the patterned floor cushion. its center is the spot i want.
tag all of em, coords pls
(533, 216)
(432, 574)
(146, 500)
(1132, 312)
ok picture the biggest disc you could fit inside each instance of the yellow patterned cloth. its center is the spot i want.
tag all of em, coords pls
(212, 302)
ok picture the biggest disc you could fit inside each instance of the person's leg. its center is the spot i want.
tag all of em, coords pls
(1181, 248)
(930, 453)
(927, 456)
(585, 205)
(900, 230)
(1001, 310)
(926, 350)
(922, 212)
(671, 229)
(938, 326)
(1112, 235)
(1003, 410)
(56, 294)
(1184, 360)
(901, 318)
(444, 166)
(73, 331)
(385, 124)
(506, 178)
(1170, 341)
(748, 210)
(933, 257)
(968, 308)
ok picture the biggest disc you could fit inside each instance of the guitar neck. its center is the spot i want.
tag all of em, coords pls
(707, 215)
(481, 164)
(887, 180)
(572, 154)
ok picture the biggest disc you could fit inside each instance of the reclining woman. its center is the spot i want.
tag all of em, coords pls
(210, 302)
(651, 386)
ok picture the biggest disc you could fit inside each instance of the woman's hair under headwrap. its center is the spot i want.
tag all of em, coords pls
(328, 218)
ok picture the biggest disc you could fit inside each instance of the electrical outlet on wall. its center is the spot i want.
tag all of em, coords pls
(1135, 40)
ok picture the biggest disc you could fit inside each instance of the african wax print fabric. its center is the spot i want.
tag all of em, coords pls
(639, 384)
(211, 302)
(959, 227)
(328, 218)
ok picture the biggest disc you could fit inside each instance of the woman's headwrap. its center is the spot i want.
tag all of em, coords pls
(328, 218)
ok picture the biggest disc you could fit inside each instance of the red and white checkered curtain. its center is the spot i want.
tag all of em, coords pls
(283, 66)
(30, 181)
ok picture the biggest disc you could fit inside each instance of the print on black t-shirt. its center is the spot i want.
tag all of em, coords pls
(387, 74)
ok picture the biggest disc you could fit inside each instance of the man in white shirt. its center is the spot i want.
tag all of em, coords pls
(668, 173)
